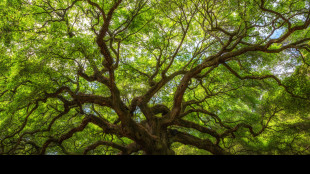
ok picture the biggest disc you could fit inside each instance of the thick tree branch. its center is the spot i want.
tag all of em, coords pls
(205, 144)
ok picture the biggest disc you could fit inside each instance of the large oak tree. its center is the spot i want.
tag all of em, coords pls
(154, 77)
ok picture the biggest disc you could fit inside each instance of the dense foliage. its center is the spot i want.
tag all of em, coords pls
(154, 77)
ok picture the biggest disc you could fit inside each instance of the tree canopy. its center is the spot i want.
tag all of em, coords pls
(221, 77)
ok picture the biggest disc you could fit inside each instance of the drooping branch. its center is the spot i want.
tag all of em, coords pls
(105, 143)
(244, 125)
(203, 129)
(205, 144)
(65, 136)
(261, 78)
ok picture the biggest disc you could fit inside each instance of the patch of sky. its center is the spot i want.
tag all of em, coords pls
(285, 68)
(52, 153)
(93, 85)
(277, 33)
(87, 108)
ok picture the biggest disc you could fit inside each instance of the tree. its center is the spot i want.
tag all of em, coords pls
(155, 77)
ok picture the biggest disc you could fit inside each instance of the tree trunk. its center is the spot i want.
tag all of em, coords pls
(159, 148)
(159, 143)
